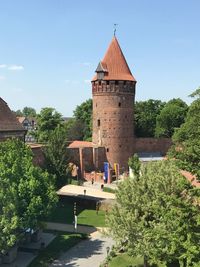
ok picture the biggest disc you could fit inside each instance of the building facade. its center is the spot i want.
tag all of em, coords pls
(113, 90)
(9, 125)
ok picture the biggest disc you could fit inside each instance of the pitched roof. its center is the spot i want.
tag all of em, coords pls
(8, 120)
(114, 64)
(77, 144)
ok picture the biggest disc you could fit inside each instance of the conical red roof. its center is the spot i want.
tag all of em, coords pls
(115, 64)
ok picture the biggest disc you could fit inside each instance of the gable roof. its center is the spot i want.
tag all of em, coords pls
(114, 64)
(8, 120)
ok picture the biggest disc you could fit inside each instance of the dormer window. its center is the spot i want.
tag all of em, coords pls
(101, 70)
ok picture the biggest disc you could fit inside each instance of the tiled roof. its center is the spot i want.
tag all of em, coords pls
(8, 120)
(115, 64)
(21, 119)
(77, 144)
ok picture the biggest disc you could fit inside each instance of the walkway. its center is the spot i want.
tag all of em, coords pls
(70, 228)
(88, 253)
(82, 191)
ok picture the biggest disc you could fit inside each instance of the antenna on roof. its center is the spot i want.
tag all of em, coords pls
(115, 28)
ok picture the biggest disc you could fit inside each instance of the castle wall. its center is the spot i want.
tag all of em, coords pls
(161, 145)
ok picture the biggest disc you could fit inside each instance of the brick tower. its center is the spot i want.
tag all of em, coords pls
(113, 90)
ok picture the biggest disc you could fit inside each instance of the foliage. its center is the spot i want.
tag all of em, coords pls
(26, 193)
(171, 117)
(29, 112)
(157, 216)
(74, 130)
(47, 121)
(26, 112)
(62, 243)
(18, 113)
(135, 164)
(83, 114)
(187, 145)
(80, 127)
(145, 117)
(56, 155)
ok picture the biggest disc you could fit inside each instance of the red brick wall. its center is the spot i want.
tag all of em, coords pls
(113, 119)
(153, 145)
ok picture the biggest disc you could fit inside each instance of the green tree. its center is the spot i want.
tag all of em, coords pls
(18, 113)
(145, 117)
(47, 121)
(83, 115)
(157, 216)
(27, 193)
(56, 156)
(74, 130)
(171, 117)
(135, 164)
(29, 112)
(187, 142)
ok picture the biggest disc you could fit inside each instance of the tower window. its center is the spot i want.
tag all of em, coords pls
(107, 149)
(98, 123)
(119, 104)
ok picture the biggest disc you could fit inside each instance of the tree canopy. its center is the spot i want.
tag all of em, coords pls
(187, 142)
(56, 156)
(47, 121)
(83, 115)
(27, 193)
(26, 112)
(157, 216)
(171, 117)
(145, 113)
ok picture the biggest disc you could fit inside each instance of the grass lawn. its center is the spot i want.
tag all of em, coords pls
(64, 213)
(124, 260)
(60, 244)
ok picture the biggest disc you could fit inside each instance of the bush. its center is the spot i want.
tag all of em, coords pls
(109, 190)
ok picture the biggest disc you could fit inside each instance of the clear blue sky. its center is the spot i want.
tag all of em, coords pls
(49, 49)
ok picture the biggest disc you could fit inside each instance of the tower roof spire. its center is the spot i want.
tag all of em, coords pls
(115, 63)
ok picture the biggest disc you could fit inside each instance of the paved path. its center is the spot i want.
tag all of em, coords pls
(88, 253)
(78, 191)
(70, 228)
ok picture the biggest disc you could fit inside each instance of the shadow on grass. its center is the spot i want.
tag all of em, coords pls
(62, 243)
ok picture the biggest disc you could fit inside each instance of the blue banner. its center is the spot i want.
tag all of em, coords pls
(106, 171)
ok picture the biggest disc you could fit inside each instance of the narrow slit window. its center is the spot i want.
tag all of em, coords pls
(119, 104)
(98, 123)
(107, 149)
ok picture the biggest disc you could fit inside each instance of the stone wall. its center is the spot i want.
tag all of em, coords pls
(5, 135)
(153, 145)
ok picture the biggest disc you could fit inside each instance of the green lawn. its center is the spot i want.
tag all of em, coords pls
(60, 244)
(64, 213)
(124, 260)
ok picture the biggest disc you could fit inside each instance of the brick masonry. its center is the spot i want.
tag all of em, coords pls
(113, 119)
